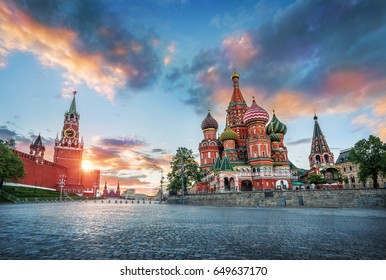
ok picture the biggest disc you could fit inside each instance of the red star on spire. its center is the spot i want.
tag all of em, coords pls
(74, 92)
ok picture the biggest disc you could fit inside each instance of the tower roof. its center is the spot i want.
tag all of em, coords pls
(226, 164)
(228, 134)
(38, 141)
(255, 113)
(209, 122)
(319, 144)
(73, 104)
(276, 126)
(237, 97)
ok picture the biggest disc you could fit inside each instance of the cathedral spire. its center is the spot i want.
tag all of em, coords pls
(237, 97)
(320, 154)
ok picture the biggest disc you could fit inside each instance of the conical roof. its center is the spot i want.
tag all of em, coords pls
(38, 141)
(319, 143)
(237, 97)
(73, 104)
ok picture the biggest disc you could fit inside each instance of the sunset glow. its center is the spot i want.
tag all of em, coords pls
(147, 73)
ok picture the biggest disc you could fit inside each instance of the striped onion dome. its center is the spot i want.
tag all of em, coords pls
(255, 113)
(228, 134)
(274, 137)
(276, 126)
(209, 122)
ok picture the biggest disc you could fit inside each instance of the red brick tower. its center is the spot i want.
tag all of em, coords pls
(235, 113)
(210, 146)
(259, 144)
(320, 155)
(69, 149)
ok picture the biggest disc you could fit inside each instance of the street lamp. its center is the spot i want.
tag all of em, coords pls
(162, 177)
(62, 182)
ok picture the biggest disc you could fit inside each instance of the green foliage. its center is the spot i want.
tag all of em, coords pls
(11, 167)
(8, 143)
(316, 179)
(191, 171)
(370, 155)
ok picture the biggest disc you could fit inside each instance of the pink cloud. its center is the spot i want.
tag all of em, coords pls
(55, 47)
(240, 51)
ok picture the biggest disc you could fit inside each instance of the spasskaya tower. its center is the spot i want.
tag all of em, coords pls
(69, 149)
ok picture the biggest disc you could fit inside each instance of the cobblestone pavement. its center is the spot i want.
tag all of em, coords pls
(95, 230)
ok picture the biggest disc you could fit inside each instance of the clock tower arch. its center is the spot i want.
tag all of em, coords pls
(68, 149)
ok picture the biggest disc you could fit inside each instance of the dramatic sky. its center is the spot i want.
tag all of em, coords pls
(147, 72)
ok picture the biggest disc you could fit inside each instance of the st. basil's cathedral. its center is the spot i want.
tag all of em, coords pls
(249, 154)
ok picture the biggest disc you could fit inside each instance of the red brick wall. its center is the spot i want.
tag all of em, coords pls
(43, 175)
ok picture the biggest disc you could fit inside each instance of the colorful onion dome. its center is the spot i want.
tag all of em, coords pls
(209, 122)
(276, 126)
(228, 134)
(274, 137)
(255, 113)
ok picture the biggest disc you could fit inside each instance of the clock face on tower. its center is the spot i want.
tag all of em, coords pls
(69, 133)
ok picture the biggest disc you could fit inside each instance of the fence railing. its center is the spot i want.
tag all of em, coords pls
(10, 197)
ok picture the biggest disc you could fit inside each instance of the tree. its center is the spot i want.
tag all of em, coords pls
(184, 167)
(11, 167)
(370, 155)
(316, 179)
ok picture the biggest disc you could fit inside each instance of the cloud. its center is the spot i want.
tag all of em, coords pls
(240, 51)
(84, 39)
(327, 56)
(378, 127)
(122, 142)
(300, 141)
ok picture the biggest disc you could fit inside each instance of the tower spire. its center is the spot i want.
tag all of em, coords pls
(73, 104)
(320, 154)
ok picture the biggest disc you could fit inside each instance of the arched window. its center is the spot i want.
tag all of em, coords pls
(317, 158)
(326, 158)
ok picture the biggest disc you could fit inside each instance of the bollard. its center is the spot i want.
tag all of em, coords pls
(132, 201)
(116, 201)
(137, 201)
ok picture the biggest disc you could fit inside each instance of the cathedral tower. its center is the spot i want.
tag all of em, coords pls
(235, 113)
(69, 148)
(320, 154)
(258, 143)
(276, 131)
(209, 146)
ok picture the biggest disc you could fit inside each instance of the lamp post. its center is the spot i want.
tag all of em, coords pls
(62, 182)
(162, 177)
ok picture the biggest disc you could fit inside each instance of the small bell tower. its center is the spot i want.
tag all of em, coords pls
(37, 150)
